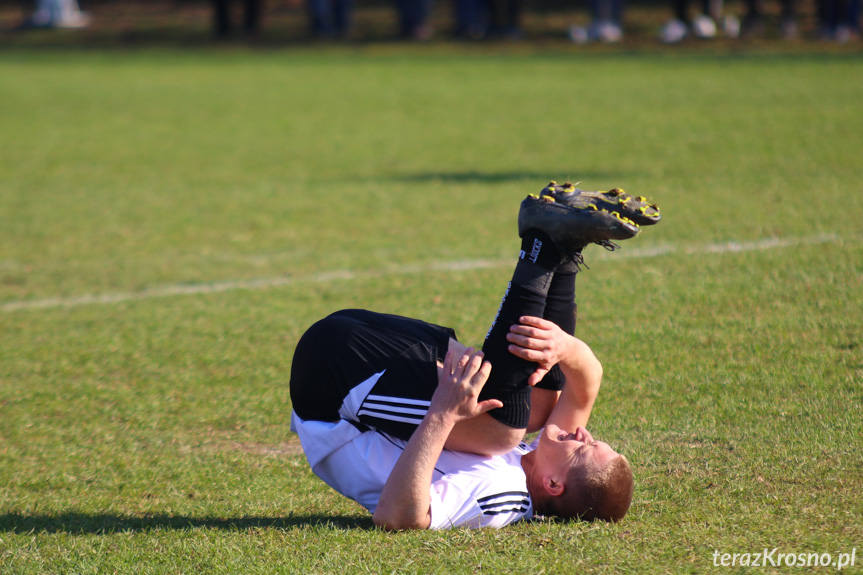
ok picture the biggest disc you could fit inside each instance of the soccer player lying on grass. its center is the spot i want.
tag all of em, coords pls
(399, 416)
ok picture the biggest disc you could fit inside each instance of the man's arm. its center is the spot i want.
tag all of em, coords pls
(405, 502)
(541, 341)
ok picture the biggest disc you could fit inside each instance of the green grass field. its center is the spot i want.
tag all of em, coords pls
(171, 222)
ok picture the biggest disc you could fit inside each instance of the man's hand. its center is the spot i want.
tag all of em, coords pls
(459, 384)
(542, 342)
(405, 502)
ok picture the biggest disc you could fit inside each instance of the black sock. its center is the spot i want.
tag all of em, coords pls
(538, 259)
(526, 295)
(531, 280)
(560, 306)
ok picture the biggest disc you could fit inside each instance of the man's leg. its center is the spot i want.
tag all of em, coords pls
(554, 227)
(499, 430)
(341, 353)
(561, 309)
(526, 294)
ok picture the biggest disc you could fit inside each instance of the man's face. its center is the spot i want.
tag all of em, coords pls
(559, 450)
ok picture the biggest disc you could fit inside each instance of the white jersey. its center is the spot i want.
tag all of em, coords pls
(466, 491)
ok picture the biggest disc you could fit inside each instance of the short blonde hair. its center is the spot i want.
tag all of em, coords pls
(592, 492)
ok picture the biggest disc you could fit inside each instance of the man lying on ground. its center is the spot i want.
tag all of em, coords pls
(399, 416)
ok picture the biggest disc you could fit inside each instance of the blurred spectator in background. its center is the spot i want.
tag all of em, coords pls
(414, 19)
(251, 22)
(606, 26)
(470, 19)
(839, 19)
(57, 14)
(753, 22)
(331, 18)
(702, 26)
(478, 19)
(504, 19)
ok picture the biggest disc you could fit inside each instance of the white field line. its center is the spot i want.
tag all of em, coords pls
(412, 269)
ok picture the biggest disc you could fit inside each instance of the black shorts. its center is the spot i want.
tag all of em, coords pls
(348, 347)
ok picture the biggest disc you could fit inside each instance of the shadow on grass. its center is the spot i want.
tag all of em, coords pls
(77, 523)
(473, 176)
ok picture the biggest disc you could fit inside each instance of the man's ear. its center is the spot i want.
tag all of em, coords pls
(552, 485)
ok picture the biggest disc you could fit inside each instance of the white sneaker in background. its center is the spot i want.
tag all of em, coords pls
(74, 20)
(789, 29)
(607, 32)
(704, 27)
(731, 27)
(845, 34)
(57, 14)
(578, 34)
(672, 32)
